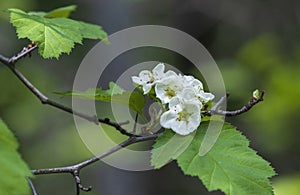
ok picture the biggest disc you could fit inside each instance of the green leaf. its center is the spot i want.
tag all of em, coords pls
(230, 165)
(115, 94)
(12, 168)
(62, 12)
(90, 31)
(54, 33)
(168, 147)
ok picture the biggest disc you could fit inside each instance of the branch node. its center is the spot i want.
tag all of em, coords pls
(79, 186)
(25, 51)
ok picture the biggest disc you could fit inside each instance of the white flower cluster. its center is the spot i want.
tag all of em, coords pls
(183, 94)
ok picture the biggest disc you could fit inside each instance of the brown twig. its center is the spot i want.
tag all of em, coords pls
(75, 169)
(26, 51)
(216, 111)
(9, 62)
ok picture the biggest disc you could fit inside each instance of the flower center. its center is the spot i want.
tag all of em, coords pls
(170, 93)
(184, 115)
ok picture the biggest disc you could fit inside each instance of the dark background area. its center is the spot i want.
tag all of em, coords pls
(255, 44)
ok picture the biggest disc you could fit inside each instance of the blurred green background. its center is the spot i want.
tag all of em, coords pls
(255, 43)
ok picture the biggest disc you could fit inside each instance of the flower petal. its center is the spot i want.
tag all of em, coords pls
(137, 80)
(205, 97)
(158, 71)
(168, 88)
(168, 118)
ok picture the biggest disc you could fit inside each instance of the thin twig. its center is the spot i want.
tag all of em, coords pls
(70, 169)
(79, 186)
(9, 62)
(75, 169)
(31, 186)
(26, 51)
(246, 108)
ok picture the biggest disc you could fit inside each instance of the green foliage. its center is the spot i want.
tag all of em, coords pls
(115, 94)
(53, 32)
(230, 165)
(13, 169)
(62, 12)
(168, 147)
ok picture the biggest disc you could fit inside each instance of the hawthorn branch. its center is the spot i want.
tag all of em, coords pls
(216, 111)
(10, 63)
(75, 169)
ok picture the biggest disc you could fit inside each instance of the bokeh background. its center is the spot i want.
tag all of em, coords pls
(255, 43)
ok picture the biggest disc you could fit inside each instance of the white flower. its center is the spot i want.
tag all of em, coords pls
(184, 96)
(183, 116)
(168, 88)
(190, 81)
(172, 86)
(148, 78)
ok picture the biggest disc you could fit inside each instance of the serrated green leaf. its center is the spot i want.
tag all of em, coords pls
(12, 168)
(115, 94)
(90, 31)
(54, 36)
(168, 147)
(62, 12)
(230, 165)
